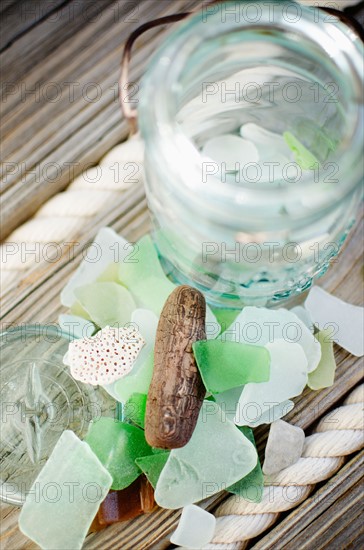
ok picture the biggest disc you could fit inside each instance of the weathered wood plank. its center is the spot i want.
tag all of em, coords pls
(43, 277)
(6, 4)
(23, 15)
(46, 37)
(93, 53)
(33, 145)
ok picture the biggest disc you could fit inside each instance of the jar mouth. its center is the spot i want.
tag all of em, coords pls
(316, 50)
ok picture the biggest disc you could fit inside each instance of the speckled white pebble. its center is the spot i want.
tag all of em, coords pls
(105, 357)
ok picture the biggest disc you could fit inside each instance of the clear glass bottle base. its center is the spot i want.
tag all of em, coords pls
(39, 400)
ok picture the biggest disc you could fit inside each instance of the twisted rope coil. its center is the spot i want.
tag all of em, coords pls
(338, 434)
(64, 215)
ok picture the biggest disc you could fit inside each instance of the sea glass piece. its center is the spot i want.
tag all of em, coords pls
(345, 320)
(146, 322)
(108, 304)
(96, 525)
(230, 152)
(127, 504)
(76, 327)
(146, 495)
(110, 274)
(65, 497)
(152, 465)
(272, 169)
(195, 529)
(304, 315)
(105, 357)
(288, 377)
(250, 487)
(216, 456)
(274, 155)
(77, 310)
(228, 401)
(117, 445)
(284, 446)
(108, 247)
(324, 375)
(274, 413)
(145, 278)
(134, 409)
(212, 325)
(304, 158)
(137, 381)
(259, 325)
(225, 316)
(120, 506)
(265, 141)
(226, 365)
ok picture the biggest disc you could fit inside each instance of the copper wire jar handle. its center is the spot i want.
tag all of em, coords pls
(131, 114)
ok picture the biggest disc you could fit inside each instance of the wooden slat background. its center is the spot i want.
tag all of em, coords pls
(80, 41)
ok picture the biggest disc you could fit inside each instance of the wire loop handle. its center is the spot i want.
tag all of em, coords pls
(129, 113)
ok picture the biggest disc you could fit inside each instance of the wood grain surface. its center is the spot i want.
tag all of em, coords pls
(54, 46)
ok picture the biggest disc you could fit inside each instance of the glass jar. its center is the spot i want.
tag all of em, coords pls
(297, 72)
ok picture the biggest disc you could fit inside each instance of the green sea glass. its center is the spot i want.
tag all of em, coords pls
(250, 487)
(226, 365)
(228, 401)
(225, 316)
(152, 465)
(134, 409)
(217, 456)
(259, 326)
(65, 497)
(108, 304)
(110, 275)
(304, 158)
(138, 381)
(324, 375)
(117, 445)
(144, 277)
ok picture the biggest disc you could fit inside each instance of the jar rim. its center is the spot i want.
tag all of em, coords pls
(165, 139)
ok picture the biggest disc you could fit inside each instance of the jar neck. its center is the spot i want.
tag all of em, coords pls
(207, 52)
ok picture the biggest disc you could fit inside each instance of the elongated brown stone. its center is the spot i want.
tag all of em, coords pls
(176, 392)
